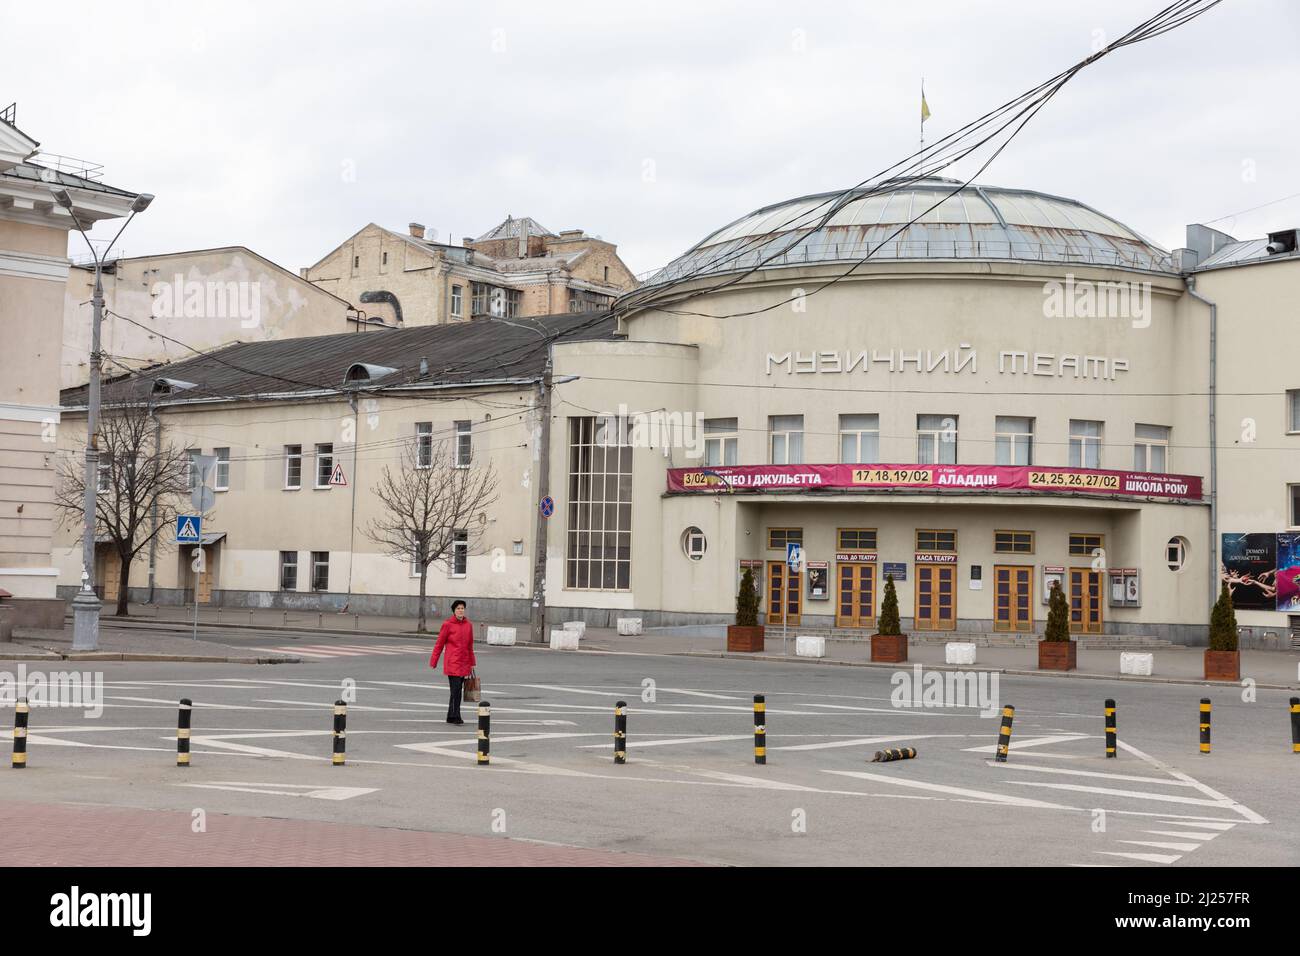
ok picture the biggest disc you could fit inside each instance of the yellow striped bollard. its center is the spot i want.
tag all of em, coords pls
(340, 733)
(1205, 725)
(183, 733)
(484, 732)
(1004, 734)
(894, 753)
(760, 729)
(1110, 728)
(620, 732)
(21, 711)
(1295, 725)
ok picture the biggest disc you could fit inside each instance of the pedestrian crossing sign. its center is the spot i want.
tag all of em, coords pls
(188, 529)
(336, 476)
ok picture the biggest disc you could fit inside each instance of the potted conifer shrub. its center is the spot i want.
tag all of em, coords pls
(746, 634)
(1223, 658)
(889, 643)
(1056, 652)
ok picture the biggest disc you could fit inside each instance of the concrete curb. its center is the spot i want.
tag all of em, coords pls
(42, 654)
(186, 627)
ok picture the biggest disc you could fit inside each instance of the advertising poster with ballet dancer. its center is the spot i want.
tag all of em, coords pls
(1288, 572)
(1249, 566)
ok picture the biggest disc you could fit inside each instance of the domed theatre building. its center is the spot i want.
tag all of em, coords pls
(1014, 390)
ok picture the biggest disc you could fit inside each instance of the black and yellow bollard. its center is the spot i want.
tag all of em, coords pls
(484, 732)
(620, 732)
(340, 733)
(1295, 725)
(1110, 728)
(21, 710)
(894, 753)
(1004, 734)
(760, 729)
(183, 733)
(1205, 725)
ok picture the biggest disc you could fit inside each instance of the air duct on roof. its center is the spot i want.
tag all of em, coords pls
(362, 373)
(1282, 242)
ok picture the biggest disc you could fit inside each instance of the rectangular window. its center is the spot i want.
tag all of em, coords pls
(464, 445)
(104, 474)
(288, 570)
(292, 467)
(424, 444)
(1083, 545)
(320, 570)
(1013, 542)
(1293, 493)
(721, 442)
(1293, 410)
(384, 260)
(457, 293)
(786, 439)
(856, 539)
(778, 538)
(598, 546)
(928, 539)
(324, 464)
(480, 293)
(1085, 444)
(223, 469)
(514, 299)
(1013, 440)
(936, 439)
(581, 300)
(1151, 448)
(859, 439)
(356, 262)
(458, 561)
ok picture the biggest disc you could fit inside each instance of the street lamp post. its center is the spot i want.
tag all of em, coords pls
(85, 606)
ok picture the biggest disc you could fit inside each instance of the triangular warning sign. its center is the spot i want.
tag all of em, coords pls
(336, 476)
(187, 530)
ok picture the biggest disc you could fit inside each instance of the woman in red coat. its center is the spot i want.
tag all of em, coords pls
(456, 638)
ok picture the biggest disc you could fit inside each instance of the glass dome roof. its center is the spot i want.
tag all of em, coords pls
(975, 222)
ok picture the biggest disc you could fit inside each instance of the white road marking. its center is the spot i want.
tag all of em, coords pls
(1134, 794)
(198, 705)
(1185, 847)
(1200, 826)
(1025, 743)
(858, 741)
(298, 789)
(1144, 857)
(1184, 834)
(1095, 773)
(1245, 811)
(697, 693)
(983, 795)
(667, 742)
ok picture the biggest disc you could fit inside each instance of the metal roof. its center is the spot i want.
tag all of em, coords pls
(1242, 253)
(478, 352)
(972, 222)
(512, 228)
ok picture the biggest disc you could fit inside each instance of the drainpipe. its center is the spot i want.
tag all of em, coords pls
(1214, 438)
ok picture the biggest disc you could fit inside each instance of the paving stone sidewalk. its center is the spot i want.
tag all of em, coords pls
(117, 643)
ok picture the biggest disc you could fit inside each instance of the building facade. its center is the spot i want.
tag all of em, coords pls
(33, 276)
(1012, 390)
(517, 269)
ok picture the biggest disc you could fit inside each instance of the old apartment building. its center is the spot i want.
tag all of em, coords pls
(518, 269)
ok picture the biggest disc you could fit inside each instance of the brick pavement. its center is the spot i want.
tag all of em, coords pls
(45, 835)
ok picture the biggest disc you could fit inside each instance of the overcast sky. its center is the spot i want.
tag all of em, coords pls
(286, 126)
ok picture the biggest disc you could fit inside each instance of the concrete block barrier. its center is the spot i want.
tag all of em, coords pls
(807, 645)
(501, 636)
(629, 626)
(564, 640)
(958, 652)
(577, 627)
(1140, 665)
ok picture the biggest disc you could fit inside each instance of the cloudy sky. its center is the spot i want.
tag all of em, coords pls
(286, 126)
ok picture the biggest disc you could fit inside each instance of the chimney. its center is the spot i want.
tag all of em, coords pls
(523, 239)
(417, 230)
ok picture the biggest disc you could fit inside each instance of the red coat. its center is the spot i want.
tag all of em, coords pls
(457, 639)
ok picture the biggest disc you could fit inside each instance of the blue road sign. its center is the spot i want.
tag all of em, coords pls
(548, 506)
(794, 556)
(896, 570)
(189, 529)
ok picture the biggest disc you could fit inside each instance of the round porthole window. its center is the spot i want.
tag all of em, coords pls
(1176, 553)
(693, 543)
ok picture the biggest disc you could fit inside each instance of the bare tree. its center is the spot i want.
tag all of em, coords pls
(142, 483)
(430, 503)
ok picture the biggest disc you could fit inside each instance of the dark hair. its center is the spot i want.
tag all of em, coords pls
(456, 604)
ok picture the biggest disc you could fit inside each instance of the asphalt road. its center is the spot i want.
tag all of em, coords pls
(691, 789)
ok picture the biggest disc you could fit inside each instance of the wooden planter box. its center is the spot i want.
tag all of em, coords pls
(889, 648)
(744, 638)
(1058, 655)
(1223, 665)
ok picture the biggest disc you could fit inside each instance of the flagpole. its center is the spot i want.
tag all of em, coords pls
(923, 112)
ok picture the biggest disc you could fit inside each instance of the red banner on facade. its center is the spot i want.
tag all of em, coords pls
(1047, 479)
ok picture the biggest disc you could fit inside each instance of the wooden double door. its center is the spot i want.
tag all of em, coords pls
(855, 594)
(1013, 598)
(936, 597)
(784, 594)
(1085, 600)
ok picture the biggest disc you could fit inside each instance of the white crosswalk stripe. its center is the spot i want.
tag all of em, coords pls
(326, 651)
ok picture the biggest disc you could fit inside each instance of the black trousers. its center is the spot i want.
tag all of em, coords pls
(457, 685)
